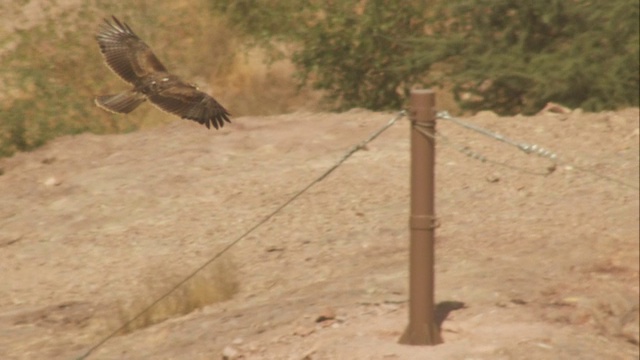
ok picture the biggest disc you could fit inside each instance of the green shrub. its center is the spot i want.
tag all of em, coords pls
(517, 56)
(357, 54)
(506, 55)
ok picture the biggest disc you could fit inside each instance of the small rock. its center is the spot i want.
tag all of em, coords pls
(237, 341)
(326, 324)
(49, 160)
(52, 181)
(10, 239)
(275, 249)
(389, 306)
(493, 178)
(326, 314)
(229, 353)
(304, 331)
(308, 355)
(555, 108)
(544, 346)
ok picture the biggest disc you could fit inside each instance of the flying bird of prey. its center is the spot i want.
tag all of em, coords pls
(132, 60)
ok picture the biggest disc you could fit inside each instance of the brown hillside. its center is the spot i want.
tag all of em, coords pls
(92, 225)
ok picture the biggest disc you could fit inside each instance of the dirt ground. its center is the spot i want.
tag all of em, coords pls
(547, 266)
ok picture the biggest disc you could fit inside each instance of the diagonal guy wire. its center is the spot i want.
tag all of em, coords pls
(362, 144)
(246, 233)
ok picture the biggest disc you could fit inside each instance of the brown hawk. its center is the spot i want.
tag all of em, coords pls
(132, 60)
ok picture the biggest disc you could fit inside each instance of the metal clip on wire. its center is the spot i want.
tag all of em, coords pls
(526, 148)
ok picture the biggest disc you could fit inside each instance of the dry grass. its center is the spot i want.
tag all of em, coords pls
(253, 86)
(52, 70)
(202, 48)
(217, 282)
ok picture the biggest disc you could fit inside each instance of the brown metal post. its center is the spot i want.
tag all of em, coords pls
(422, 328)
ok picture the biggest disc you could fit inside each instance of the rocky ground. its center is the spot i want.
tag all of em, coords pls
(547, 266)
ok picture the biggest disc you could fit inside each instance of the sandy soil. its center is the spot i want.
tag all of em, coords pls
(547, 266)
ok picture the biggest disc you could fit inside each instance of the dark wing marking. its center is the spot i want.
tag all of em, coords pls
(125, 53)
(190, 103)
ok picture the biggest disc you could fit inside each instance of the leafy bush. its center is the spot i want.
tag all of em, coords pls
(517, 56)
(357, 54)
(506, 55)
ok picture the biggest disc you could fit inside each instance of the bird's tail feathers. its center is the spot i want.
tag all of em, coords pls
(121, 103)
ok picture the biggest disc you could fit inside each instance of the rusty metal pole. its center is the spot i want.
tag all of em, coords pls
(422, 328)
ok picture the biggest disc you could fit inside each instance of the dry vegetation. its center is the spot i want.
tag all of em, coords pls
(51, 67)
(217, 282)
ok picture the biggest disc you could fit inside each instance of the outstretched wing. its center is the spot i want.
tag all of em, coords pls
(188, 102)
(125, 53)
